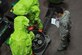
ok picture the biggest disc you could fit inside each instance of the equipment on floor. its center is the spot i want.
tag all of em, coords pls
(40, 43)
(5, 30)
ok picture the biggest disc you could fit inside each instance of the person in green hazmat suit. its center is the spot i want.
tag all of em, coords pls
(21, 40)
(27, 12)
(30, 9)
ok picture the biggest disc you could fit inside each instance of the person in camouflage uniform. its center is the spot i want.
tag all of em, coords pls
(64, 26)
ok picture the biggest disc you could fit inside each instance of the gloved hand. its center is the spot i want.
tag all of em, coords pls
(31, 28)
(40, 30)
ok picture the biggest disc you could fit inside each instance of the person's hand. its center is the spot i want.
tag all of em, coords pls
(31, 28)
(40, 30)
(57, 19)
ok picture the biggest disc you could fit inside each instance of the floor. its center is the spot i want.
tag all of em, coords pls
(75, 47)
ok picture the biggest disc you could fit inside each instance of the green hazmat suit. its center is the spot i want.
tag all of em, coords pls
(27, 12)
(21, 40)
(30, 8)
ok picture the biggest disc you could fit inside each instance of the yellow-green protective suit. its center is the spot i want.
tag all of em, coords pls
(27, 12)
(21, 40)
(29, 8)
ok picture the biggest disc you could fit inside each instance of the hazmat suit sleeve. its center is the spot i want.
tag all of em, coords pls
(36, 10)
